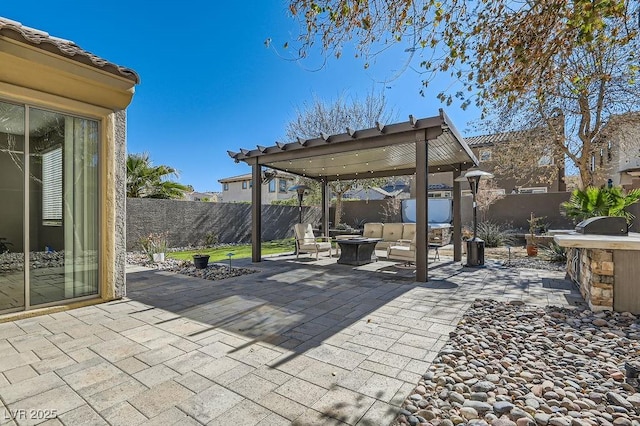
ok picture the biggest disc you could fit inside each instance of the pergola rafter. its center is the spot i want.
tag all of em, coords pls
(419, 146)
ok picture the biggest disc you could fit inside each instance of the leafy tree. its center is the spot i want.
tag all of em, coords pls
(317, 116)
(488, 194)
(528, 64)
(144, 180)
(593, 201)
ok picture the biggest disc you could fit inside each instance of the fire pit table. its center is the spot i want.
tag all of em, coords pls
(357, 251)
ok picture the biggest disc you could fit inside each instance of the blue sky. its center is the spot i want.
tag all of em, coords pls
(209, 84)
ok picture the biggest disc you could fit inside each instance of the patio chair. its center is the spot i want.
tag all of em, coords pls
(404, 250)
(307, 242)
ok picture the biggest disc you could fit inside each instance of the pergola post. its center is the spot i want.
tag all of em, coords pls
(325, 207)
(457, 218)
(256, 212)
(422, 211)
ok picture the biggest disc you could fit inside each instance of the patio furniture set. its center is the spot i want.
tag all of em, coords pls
(398, 239)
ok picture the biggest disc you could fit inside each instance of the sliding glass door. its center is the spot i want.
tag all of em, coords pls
(57, 231)
(12, 143)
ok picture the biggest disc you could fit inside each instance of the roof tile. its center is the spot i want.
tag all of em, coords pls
(41, 39)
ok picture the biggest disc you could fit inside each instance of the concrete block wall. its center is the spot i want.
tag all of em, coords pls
(189, 222)
(513, 209)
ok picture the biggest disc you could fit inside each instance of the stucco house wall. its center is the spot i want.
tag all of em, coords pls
(617, 155)
(44, 72)
(237, 189)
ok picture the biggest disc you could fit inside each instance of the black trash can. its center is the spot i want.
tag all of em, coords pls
(475, 252)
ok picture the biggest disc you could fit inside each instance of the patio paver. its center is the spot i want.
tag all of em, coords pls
(299, 342)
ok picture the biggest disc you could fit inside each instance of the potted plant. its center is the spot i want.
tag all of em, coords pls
(532, 243)
(200, 260)
(155, 246)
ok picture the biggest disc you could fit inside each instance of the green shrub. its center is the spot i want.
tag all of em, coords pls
(554, 252)
(495, 235)
(594, 201)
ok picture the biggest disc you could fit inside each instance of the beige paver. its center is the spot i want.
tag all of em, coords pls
(30, 387)
(343, 404)
(123, 414)
(210, 403)
(159, 398)
(301, 391)
(246, 413)
(297, 343)
(83, 415)
(49, 404)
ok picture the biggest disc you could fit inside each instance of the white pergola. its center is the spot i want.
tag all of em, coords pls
(417, 146)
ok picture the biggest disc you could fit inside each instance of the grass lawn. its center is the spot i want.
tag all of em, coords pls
(239, 252)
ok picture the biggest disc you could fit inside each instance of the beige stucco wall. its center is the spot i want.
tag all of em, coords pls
(236, 194)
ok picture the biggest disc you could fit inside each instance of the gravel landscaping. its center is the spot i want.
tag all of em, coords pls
(535, 263)
(212, 272)
(37, 259)
(508, 364)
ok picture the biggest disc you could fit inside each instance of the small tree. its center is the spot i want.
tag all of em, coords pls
(318, 117)
(488, 193)
(391, 209)
(144, 180)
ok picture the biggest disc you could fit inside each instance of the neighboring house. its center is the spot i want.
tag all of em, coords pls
(275, 185)
(213, 197)
(62, 168)
(398, 190)
(482, 147)
(618, 154)
(390, 190)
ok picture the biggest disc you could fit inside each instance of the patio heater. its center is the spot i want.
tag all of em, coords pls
(475, 246)
(300, 189)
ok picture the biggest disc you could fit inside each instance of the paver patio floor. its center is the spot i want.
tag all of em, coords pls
(300, 342)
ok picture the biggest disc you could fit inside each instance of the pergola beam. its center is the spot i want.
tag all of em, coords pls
(256, 213)
(401, 130)
(422, 210)
(312, 148)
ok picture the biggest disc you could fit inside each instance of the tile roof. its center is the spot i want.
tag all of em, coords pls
(488, 140)
(42, 40)
(248, 176)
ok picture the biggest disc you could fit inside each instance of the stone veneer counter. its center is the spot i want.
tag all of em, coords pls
(606, 268)
(607, 242)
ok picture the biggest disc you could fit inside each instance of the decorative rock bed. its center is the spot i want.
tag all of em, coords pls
(10, 262)
(535, 263)
(212, 272)
(515, 365)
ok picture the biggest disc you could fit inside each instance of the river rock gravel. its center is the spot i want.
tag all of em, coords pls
(519, 365)
(212, 272)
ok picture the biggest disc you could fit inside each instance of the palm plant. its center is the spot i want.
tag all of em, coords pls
(592, 201)
(144, 180)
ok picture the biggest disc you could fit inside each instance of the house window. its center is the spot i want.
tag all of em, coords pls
(272, 185)
(534, 190)
(439, 194)
(545, 160)
(244, 184)
(282, 186)
(485, 155)
(52, 187)
(225, 186)
(250, 184)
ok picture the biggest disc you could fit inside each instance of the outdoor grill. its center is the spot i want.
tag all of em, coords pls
(603, 225)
